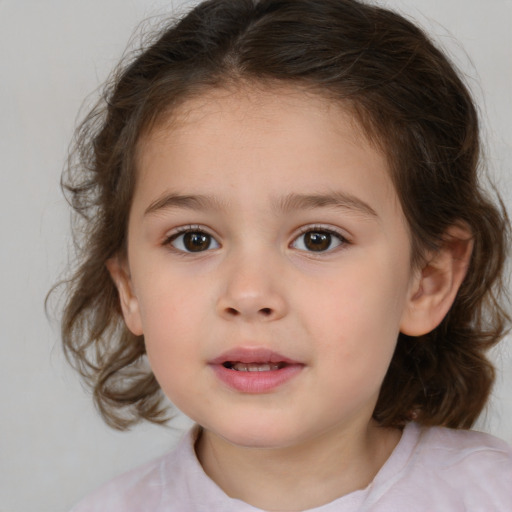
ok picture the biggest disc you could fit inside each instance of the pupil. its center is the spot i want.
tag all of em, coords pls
(195, 242)
(316, 241)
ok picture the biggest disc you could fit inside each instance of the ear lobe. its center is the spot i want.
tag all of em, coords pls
(438, 282)
(120, 274)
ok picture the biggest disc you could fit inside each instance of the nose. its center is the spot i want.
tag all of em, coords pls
(253, 290)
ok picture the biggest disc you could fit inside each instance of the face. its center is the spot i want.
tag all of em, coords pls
(268, 266)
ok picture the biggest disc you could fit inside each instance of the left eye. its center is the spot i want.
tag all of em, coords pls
(317, 240)
(193, 241)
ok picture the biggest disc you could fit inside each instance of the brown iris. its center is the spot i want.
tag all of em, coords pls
(196, 242)
(317, 240)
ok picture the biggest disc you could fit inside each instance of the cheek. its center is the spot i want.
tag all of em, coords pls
(360, 296)
(358, 320)
(171, 323)
(166, 299)
(172, 351)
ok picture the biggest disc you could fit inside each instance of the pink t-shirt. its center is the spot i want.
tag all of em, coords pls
(430, 470)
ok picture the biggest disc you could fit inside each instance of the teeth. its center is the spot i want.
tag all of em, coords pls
(255, 367)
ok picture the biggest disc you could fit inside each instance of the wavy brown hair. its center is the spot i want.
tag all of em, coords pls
(408, 99)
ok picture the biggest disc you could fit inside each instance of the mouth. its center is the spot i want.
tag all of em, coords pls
(253, 360)
(255, 371)
(253, 367)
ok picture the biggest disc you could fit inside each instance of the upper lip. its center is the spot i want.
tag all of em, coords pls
(252, 355)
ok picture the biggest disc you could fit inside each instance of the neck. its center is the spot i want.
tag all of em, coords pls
(298, 477)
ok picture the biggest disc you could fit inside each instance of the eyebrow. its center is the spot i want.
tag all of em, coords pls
(187, 202)
(289, 203)
(335, 199)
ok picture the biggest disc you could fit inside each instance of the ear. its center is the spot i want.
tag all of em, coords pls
(437, 282)
(120, 274)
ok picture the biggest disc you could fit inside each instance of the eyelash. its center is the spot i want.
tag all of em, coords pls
(182, 232)
(197, 230)
(342, 241)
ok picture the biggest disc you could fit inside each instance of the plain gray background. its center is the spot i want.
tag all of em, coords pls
(53, 53)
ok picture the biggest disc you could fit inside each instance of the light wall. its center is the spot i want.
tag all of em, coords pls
(53, 53)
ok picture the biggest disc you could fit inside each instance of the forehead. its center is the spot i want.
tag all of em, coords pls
(232, 139)
(245, 105)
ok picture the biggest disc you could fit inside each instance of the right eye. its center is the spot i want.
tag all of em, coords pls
(318, 240)
(193, 241)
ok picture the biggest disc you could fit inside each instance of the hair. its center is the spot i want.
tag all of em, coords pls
(410, 102)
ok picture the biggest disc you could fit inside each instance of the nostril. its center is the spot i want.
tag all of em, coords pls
(248, 312)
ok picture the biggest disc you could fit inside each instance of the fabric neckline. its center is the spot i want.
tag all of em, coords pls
(219, 500)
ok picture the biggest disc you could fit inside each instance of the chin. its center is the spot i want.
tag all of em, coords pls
(259, 435)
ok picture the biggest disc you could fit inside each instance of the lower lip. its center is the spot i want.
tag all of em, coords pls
(256, 382)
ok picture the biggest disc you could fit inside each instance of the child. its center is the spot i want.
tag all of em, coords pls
(282, 214)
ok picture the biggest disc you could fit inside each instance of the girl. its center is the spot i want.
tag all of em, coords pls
(281, 213)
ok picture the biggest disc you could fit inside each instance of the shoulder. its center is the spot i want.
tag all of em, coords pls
(435, 468)
(134, 491)
(143, 489)
(468, 467)
(445, 448)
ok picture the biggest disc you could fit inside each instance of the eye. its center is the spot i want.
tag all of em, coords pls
(318, 240)
(192, 240)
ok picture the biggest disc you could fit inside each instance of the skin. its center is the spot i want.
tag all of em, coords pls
(252, 157)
